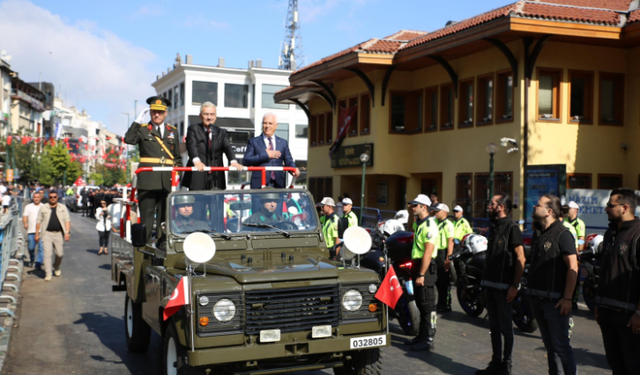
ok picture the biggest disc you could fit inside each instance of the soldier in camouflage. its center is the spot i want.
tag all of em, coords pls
(184, 222)
(267, 213)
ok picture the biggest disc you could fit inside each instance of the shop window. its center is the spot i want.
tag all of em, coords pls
(549, 94)
(365, 114)
(580, 97)
(447, 103)
(485, 100)
(609, 181)
(328, 128)
(611, 98)
(578, 180)
(236, 96)
(321, 133)
(353, 129)
(504, 96)
(431, 109)
(465, 106)
(313, 130)
(406, 114)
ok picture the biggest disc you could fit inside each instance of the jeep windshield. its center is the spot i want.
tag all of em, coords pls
(221, 214)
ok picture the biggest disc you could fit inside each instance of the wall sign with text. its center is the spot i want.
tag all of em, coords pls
(349, 156)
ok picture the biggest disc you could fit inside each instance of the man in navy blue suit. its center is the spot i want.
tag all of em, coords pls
(268, 150)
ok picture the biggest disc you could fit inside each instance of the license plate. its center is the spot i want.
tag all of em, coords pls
(368, 342)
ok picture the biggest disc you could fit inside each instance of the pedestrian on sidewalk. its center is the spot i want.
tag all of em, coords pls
(54, 227)
(29, 218)
(103, 226)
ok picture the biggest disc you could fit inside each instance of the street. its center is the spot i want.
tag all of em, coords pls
(74, 325)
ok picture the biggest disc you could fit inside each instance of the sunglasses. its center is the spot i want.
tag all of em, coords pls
(612, 205)
(53, 197)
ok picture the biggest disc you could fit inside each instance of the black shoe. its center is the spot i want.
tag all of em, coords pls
(443, 309)
(505, 369)
(494, 368)
(412, 341)
(423, 345)
(574, 305)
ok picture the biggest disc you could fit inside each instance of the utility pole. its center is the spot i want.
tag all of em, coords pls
(291, 57)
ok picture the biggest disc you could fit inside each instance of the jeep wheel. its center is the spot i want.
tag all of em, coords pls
(364, 362)
(136, 329)
(172, 354)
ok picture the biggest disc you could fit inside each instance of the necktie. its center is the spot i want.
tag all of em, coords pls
(209, 138)
(273, 174)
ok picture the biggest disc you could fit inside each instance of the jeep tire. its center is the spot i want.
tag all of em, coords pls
(173, 354)
(137, 331)
(363, 362)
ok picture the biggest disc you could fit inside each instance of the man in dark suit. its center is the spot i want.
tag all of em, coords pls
(268, 150)
(159, 146)
(205, 144)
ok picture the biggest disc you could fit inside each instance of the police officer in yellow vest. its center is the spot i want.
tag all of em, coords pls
(461, 226)
(423, 272)
(347, 205)
(577, 223)
(445, 248)
(159, 146)
(330, 226)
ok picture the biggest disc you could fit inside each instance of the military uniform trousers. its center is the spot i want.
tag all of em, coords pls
(153, 203)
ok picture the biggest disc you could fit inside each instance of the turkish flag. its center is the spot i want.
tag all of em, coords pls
(345, 119)
(390, 290)
(179, 298)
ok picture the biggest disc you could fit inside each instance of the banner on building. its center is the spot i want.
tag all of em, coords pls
(345, 120)
(592, 203)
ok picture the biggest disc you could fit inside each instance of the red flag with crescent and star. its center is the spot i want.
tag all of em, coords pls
(390, 290)
(179, 298)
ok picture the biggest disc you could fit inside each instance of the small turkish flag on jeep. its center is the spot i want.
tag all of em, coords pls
(390, 290)
(179, 298)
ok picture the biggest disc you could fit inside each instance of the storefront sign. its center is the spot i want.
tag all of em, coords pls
(349, 156)
(592, 203)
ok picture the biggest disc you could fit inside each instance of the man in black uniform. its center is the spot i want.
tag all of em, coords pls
(618, 293)
(501, 281)
(550, 282)
(159, 146)
(267, 213)
(184, 222)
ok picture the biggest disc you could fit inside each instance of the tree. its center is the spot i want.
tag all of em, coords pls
(97, 178)
(54, 163)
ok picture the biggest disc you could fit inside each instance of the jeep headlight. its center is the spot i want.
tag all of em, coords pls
(352, 300)
(224, 310)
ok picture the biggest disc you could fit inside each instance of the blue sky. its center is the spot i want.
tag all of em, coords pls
(104, 55)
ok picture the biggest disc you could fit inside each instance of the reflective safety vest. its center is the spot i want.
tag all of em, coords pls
(425, 231)
(578, 225)
(571, 229)
(461, 228)
(330, 229)
(445, 231)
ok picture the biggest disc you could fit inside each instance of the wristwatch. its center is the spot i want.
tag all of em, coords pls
(420, 275)
(67, 232)
(517, 286)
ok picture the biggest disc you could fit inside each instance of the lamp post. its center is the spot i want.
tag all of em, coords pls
(364, 158)
(491, 150)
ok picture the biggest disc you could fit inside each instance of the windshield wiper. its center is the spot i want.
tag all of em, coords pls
(209, 231)
(263, 225)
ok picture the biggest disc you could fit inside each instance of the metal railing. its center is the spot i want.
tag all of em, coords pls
(11, 250)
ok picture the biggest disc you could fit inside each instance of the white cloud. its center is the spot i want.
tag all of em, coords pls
(105, 73)
(200, 22)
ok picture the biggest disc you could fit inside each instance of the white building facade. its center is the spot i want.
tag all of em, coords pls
(242, 97)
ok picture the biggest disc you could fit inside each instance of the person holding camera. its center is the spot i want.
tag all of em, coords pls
(103, 226)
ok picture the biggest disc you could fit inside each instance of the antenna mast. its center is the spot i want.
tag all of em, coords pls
(291, 57)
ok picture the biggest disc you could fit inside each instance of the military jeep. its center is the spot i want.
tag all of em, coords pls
(268, 301)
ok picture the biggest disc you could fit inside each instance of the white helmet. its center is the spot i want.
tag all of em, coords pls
(594, 242)
(402, 216)
(475, 243)
(391, 226)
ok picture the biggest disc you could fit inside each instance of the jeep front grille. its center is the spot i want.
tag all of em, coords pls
(291, 309)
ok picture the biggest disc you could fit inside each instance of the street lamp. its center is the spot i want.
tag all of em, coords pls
(491, 150)
(364, 158)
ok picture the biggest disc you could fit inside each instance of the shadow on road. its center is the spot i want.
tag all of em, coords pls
(586, 357)
(441, 362)
(103, 326)
(92, 251)
(105, 267)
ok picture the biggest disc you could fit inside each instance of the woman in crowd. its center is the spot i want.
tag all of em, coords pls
(103, 226)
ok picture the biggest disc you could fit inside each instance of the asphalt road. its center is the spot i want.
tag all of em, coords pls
(74, 325)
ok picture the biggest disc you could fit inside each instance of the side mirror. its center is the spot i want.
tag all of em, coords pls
(139, 235)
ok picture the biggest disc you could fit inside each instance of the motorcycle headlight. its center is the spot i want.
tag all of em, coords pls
(352, 300)
(224, 310)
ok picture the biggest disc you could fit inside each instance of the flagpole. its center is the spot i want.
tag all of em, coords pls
(191, 322)
(386, 264)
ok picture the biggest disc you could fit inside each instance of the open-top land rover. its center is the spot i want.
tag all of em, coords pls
(269, 300)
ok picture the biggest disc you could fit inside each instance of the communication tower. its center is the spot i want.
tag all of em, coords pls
(291, 57)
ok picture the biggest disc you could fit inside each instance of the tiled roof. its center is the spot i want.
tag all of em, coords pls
(284, 89)
(329, 58)
(383, 46)
(568, 13)
(634, 16)
(405, 35)
(619, 5)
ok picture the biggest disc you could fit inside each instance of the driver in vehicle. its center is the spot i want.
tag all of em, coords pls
(267, 213)
(184, 223)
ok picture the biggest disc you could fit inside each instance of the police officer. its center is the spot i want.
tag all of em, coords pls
(573, 219)
(330, 226)
(347, 206)
(159, 146)
(184, 222)
(461, 226)
(444, 244)
(503, 271)
(550, 282)
(618, 293)
(424, 272)
(267, 213)
(563, 215)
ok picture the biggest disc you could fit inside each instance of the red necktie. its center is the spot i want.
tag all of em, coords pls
(273, 174)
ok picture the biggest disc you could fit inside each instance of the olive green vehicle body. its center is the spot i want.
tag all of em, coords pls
(253, 267)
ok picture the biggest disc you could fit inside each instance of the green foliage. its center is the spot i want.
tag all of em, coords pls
(97, 178)
(55, 161)
(111, 175)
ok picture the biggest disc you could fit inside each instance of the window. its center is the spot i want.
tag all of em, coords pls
(465, 107)
(580, 97)
(321, 129)
(328, 128)
(236, 96)
(504, 97)
(353, 129)
(365, 113)
(431, 109)
(302, 131)
(320, 187)
(611, 98)
(485, 100)
(182, 128)
(267, 97)
(447, 102)
(182, 94)
(253, 95)
(464, 184)
(176, 97)
(170, 98)
(609, 181)
(204, 92)
(406, 111)
(549, 94)
(283, 131)
(578, 180)
(313, 130)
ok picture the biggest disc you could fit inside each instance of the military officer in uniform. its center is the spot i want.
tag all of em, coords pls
(159, 146)
(267, 213)
(184, 222)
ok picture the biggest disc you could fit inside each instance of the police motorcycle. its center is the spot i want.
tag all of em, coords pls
(589, 267)
(469, 263)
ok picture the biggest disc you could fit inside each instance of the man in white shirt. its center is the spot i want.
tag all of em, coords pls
(29, 218)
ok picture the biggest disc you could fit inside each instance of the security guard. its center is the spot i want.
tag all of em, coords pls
(184, 222)
(573, 219)
(330, 226)
(618, 293)
(267, 213)
(424, 272)
(461, 226)
(159, 146)
(444, 245)
(347, 205)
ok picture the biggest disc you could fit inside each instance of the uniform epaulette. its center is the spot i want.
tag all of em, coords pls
(144, 124)
(171, 126)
